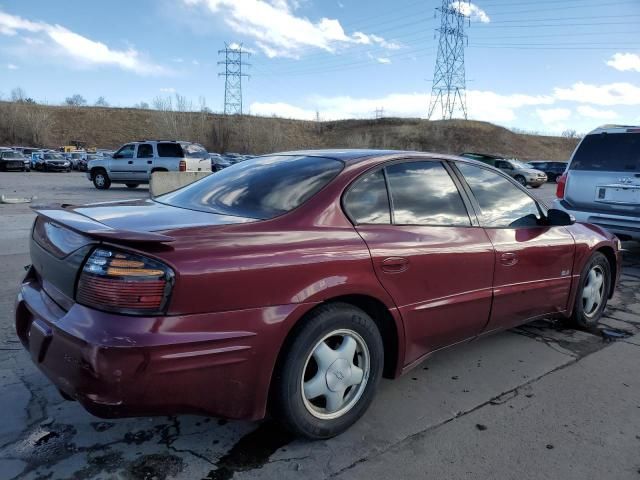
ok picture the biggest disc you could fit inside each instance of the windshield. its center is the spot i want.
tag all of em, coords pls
(612, 152)
(53, 156)
(519, 164)
(14, 156)
(260, 188)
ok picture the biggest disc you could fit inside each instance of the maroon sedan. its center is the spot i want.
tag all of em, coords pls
(293, 282)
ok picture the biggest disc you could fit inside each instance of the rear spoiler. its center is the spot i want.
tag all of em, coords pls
(87, 226)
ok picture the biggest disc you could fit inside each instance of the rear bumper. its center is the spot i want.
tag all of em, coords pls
(217, 364)
(620, 225)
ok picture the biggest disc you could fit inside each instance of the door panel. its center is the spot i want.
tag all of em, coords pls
(142, 162)
(532, 273)
(439, 277)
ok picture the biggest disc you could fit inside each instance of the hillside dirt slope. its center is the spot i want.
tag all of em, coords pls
(53, 126)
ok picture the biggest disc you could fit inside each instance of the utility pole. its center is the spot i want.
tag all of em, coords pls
(233, 64)
(448, 93)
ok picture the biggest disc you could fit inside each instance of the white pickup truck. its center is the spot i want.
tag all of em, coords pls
(134, 162)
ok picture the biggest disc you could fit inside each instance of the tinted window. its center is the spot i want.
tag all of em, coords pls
(502, 203)
(193, 150)
(145, 150)
(262, 188)
(613, 152)
(169, 150)
(424, 194)
(367, 201)
(125, 152)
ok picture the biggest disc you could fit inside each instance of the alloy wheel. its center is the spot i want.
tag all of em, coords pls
(335, 374)
(593, 291)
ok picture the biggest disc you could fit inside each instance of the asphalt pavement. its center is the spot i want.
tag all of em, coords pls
(543, 401)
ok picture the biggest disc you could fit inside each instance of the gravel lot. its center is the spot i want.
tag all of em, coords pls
(538, 402)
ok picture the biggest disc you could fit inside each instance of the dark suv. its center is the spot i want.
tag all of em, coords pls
(552, 169)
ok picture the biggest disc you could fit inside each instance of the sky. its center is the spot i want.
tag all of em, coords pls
(540, 66)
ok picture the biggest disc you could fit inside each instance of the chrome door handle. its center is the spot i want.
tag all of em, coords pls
(508, 259)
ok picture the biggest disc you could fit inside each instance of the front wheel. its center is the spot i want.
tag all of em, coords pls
(329, 373)
(521, 180)
(101, 180)
(593, 292)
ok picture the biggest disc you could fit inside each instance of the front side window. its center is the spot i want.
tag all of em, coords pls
(502, 203)
(125, 152)
(367, 201)
(260, 188)
(145, 150)
(423, 193)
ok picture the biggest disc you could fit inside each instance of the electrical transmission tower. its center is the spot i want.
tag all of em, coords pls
(449, 84)
(379, 113)
(233, 63)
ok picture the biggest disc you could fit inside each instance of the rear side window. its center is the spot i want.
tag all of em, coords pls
(260, 188)
(169, 150)
(367, 201)
(193, 150)
(609, 152)
(423, 193)
(503, 204)
(145, 150)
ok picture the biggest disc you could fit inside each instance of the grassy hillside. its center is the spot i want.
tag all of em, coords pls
(110, 127)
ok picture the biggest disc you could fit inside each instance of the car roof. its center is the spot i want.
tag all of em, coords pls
(616, 129)
(355, 155)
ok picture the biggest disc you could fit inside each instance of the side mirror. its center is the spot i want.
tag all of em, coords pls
(559, 218)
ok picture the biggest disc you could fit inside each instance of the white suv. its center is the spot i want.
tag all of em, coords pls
(602, 182)
(134, 162)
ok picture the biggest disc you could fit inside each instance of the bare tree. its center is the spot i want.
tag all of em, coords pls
(75, 100)
(101, 102)
(569, 133)
(142, 106)
(18, 95)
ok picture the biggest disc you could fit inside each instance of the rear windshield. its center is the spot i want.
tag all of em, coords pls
(260, 188)
(610, 152)
(169, 150)
(193, 150)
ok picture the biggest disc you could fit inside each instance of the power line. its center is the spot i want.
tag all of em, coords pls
(449, 86)
(233, 63)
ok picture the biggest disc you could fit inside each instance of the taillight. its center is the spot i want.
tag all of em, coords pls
(561, 184)
(183, 166)
(123, 282)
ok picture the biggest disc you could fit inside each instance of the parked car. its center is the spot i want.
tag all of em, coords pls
(52, 162)
(83, 162)
(523, 174)
(602, 181)
(12, 160)
(299, 278)
(134, 162)
(218, 162)
(550, 168)
(76, 157)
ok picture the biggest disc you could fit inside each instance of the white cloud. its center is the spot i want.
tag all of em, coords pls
(551, 116)
(625, 62)
(11, 66)
(605, 95)
(383, 60)
(496, 107)
(281, 109)
(278, 32)
(80, 49)
(587, 111)
(168, 90)
(471, 10)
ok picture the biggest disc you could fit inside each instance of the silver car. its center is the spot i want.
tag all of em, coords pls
(602, 182)
(134, 162)
(523, 173)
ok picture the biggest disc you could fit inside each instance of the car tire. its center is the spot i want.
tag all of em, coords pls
(336, 344)
(536, 186)
(133, 185)
(593, 292)
(521, 180)
(101, 180)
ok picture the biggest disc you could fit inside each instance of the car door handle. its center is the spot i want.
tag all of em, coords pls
(395, 264)
(508, 259)
(149, 162)
(130, 162)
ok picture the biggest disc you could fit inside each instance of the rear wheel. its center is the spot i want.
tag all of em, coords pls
(329, 373)
(132, 185)
(101, 180)
(521, 180)
(593, 292)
